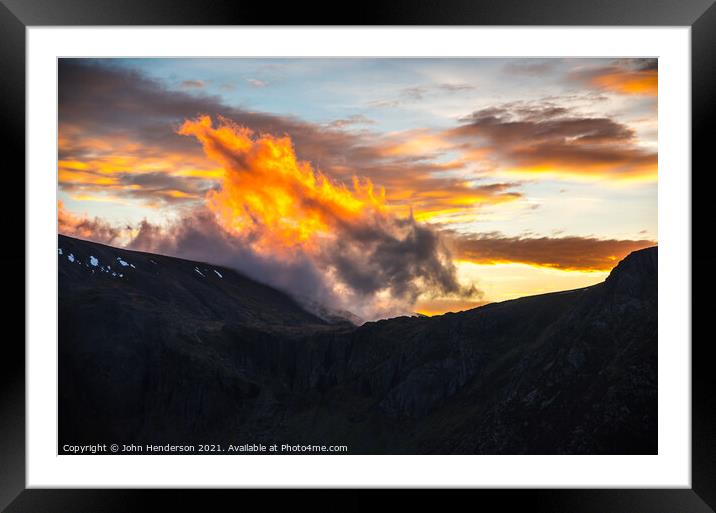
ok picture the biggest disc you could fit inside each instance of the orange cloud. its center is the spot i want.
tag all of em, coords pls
(415, 143)
(67, 176)
(627, 76)
(279, 207)
(564, 253)
(631, 82)
(178, 194)
(268, 191)
(458, 201)
(91, 166)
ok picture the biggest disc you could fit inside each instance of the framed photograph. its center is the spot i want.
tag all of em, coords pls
(438, 248)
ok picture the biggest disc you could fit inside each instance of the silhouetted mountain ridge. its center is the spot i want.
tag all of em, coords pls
(180, 351)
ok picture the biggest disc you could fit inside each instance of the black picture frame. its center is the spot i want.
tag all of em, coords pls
(17, 15)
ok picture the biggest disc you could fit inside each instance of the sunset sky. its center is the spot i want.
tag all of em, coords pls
(379, 186)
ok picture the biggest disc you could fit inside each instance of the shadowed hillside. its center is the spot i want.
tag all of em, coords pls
(156, 349)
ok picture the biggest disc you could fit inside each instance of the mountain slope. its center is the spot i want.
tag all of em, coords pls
(194, 291)
(170, 353)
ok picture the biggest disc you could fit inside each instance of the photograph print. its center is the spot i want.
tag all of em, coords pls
(357, 256)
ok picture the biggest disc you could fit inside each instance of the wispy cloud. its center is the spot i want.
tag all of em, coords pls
(530, 67)
(415, 94)
(256, 83)
(193, 84)
(355, 119)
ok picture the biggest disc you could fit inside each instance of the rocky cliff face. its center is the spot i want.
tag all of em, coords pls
(179, 351)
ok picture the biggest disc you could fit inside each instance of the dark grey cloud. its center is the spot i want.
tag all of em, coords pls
(512, 123)
(104, 100)
(397, 257)
(154, 189)
(552, 136)
(406, 259)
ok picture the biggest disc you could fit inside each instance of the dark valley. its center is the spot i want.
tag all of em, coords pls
(155, 349)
